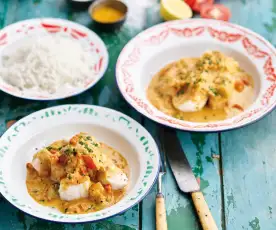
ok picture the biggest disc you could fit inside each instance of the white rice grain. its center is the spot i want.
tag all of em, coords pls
(46, 64)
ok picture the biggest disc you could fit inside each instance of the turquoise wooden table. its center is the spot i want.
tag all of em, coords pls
(236, 169)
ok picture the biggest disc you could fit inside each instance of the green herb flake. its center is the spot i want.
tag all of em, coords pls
(81, 142)
(88, 138)
(214, 91)
(49, 148)
(89, 208)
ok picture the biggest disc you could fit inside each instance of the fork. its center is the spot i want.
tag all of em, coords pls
(161, 218)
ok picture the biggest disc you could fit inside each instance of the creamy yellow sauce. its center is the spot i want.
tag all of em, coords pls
(45, 191)
(214, 85)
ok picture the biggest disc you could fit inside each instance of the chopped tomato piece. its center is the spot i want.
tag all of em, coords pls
(89, 162)
(239, 86)
(216, 11)
(247, 83)
(190, 2)
(62, 159)
(236, 106)
(108, 188)
(74, 140)
(197, 5)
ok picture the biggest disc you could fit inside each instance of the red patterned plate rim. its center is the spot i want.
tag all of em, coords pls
(54, 26)
(219, 32)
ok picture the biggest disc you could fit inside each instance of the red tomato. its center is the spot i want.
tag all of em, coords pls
(199, 3)
(190, 2)
(89, 162)
(217, 11)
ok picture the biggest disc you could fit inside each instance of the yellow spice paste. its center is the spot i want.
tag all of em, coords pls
(107, 14)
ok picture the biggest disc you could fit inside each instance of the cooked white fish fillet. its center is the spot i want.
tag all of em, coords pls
(118, 181)
(191, 100)
(74, 191)
(114, 176)
(36, 164)
(42, 163)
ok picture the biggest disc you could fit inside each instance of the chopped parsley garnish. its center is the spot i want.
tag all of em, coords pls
(95, 144)
(81, 142)
(198, 81)
(87, 148)
(183, 89)
(214, 91)
(59, 148)
(89, 208)
(88, 138)
(70, 151)
(180, 92)
(49, 148)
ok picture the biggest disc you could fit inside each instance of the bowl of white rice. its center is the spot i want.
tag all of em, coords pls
(50, 59)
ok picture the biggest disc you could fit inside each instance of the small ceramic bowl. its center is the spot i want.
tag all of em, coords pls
(155, 47)
(41, 128)
(80, 4)
(116, 4)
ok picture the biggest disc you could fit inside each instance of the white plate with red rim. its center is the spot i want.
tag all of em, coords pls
(18, 33)
(152, 49)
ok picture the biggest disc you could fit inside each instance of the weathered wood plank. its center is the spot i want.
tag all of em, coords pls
(248, 154)
(257, 15)
(202, 152)
(249, 157)
(105, 93)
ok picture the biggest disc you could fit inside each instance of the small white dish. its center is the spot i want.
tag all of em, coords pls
(155, 47)
(21, 141)
(16, 34)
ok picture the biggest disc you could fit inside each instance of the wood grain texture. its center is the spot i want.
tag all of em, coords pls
(203, 212)
(105, 93)
(203, 154)
(160, 213)
(249, 154)
(249, 169)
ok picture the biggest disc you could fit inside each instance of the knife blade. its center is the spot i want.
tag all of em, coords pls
(179, 164)
(185, 178)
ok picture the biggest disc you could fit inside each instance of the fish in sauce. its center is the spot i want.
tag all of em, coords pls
(77, 176)
(212, 87)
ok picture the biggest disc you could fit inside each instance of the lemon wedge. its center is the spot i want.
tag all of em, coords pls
(175, 9)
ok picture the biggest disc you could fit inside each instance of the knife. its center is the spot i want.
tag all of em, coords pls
(185, 178)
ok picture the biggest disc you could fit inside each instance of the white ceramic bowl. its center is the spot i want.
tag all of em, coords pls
(19, 143)
(152, 49)
(16, 34)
